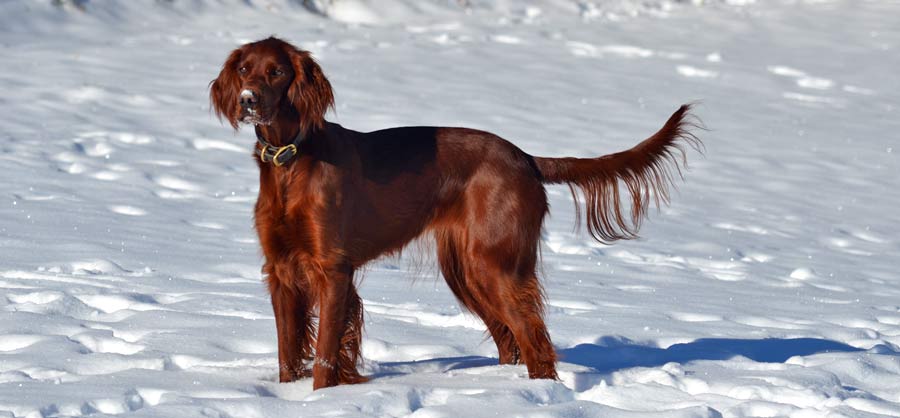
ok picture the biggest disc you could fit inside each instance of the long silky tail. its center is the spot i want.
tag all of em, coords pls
(647, 172)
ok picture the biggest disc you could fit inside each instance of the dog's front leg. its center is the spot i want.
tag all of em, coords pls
(292, 305)
(334, 285)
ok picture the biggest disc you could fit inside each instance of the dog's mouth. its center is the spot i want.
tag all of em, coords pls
(254, 117)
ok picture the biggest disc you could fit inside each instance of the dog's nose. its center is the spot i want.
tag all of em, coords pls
(248, 99)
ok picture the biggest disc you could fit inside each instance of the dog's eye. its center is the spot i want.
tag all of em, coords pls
(243, 70)
(277, 72)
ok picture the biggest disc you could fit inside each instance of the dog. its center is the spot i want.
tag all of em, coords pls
(332, 199)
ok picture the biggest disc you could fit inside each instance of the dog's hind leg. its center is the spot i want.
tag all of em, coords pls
(453, 268)
(524, 316)
(503, 219)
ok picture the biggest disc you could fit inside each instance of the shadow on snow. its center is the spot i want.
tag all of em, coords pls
(610, 354)
(613, 354)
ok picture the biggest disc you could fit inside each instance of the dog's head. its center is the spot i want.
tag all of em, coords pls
(264, 80)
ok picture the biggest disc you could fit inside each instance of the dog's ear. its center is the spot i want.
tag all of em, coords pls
(224, 91)
(310, 92)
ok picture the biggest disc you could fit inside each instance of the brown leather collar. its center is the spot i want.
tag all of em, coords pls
(278, 156)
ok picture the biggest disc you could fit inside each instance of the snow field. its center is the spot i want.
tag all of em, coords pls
(129, 272)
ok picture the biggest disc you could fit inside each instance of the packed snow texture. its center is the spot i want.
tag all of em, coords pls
(130, 271)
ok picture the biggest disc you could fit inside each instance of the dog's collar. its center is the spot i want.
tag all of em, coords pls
(279, 156)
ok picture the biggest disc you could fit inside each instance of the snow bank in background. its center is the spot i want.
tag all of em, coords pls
(129, 271)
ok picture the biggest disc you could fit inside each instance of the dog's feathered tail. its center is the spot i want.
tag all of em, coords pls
(647, 172)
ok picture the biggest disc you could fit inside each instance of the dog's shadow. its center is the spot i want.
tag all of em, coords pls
(611, 354)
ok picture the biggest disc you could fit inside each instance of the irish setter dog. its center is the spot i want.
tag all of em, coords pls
(332, 199)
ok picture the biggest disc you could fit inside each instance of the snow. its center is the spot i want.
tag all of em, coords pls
(129, 270)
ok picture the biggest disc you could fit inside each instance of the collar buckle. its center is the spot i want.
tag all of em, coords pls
(262, 154)
(278, 156)
(291, 151)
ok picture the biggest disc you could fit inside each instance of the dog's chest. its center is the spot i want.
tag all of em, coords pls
(292, 217)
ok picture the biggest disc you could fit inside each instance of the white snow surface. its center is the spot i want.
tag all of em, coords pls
(129, 269)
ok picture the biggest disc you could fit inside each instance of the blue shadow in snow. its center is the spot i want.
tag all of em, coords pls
(610, 354)
(613, 354)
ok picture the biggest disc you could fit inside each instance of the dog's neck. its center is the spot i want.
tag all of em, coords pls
(283, 130)
(279, 135)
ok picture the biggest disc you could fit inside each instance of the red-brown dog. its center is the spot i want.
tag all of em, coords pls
(332, 199)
